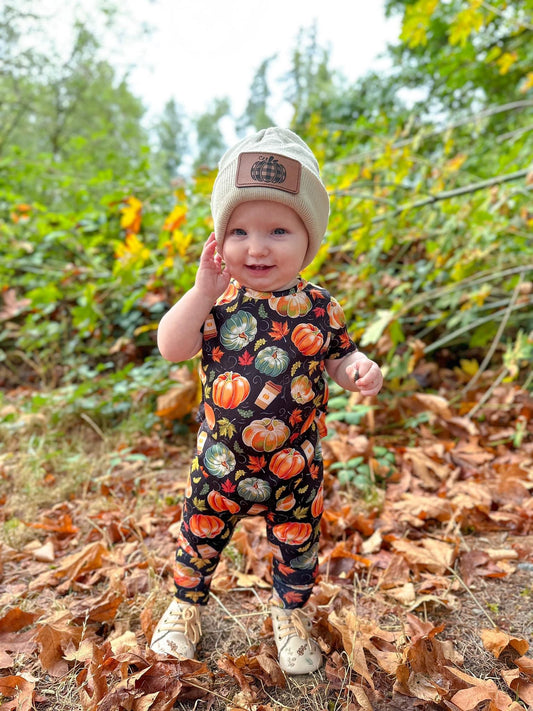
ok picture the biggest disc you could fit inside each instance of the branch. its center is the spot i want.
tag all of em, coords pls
(513, 20)
(486, 113)
(474, 324)
(446, 195)
(497, 338)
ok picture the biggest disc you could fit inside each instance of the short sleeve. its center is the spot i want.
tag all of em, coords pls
(340, 342)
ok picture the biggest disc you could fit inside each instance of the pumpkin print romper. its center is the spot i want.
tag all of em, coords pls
(258, 447)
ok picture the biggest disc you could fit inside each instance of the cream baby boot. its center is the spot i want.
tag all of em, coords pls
(178, 631)
(297, 651)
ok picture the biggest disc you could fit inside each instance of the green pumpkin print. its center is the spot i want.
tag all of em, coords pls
(219, 460)
(306, 560)
(238, 331)
(272, 361)
(254, 489)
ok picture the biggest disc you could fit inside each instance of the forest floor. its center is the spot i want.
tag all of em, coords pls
(424, 598)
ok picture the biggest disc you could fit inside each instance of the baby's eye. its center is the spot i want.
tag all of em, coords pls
(238, 231)
(279, 231)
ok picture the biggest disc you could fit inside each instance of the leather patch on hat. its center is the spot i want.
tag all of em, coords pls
(268, 170)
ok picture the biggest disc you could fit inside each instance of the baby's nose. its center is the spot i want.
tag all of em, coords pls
(257, 247)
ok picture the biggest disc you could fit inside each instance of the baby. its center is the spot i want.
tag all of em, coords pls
(268, 339)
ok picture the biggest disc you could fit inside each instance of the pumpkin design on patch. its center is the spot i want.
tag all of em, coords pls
(293, 533)
(268, 170)
(301, 389)
(186, 577)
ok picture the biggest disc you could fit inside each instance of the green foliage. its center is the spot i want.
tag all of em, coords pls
(365, 474)
(429, 242)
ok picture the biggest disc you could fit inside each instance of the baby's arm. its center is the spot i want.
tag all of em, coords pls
(179, 336)
(356, 372)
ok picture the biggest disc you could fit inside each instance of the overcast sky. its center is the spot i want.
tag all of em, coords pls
(202, 49)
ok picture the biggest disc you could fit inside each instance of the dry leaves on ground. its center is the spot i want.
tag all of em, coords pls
(399, 574)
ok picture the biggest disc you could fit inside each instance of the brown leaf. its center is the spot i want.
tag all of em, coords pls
(429, 471)
(496, 641)
(424, 658)
(227, 664)
(479, 563)
(359, 634)
(72, 566)
(19, 689)
(101, 608)
(180, 399)
(468, 699)
(6, 661)
(12, 305)
(434, 403)
(523, 689)
(16, 619)
(54, 636)
(433, 555)
(525, 664)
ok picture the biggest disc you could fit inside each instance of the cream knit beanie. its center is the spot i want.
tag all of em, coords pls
(273, 164)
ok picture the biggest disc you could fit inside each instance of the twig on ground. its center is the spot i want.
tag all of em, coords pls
(474, 598)
(231, 615)
(488, 393)
(497, 338)
(92, 424)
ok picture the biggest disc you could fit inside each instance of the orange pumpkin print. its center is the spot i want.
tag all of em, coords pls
(336, 315)
(321, 424)
(230, 389)
(205, 526)
(301, 390)
(287, 463)
(292, 533)
(186, 577)
(307, 338)
(318, 503)
(265, 435)
(209, 415)
(292, 305)
(257, 509)
(286, 503)
(309, 421)
(229, 295)
(221, 503)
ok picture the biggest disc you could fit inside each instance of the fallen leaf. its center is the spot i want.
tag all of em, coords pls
(496, 641)
(523, 689)
(19, 689)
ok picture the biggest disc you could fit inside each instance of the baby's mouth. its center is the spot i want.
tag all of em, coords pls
(259, 267)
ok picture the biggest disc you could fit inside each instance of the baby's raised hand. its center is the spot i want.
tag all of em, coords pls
(366, 375)
(212, 276)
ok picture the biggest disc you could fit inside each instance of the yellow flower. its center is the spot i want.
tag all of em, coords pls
(131, 215)
(176, 218)
(181, 242)
(132, 250)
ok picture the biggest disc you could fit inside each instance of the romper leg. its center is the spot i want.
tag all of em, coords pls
(295, 543)
(204, 533)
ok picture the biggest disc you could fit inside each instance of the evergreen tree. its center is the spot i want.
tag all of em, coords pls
(210, 140)
(171, 139)
(256, 114)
